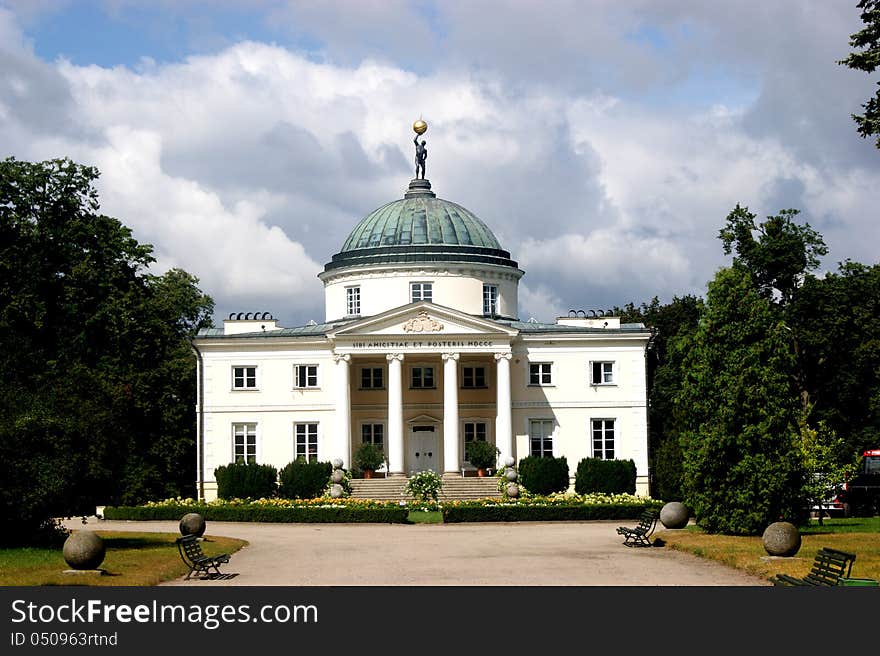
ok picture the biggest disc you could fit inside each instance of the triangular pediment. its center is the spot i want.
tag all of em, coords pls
(423, 419)
(422, 319)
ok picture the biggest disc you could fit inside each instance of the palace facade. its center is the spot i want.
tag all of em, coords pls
(421, 351)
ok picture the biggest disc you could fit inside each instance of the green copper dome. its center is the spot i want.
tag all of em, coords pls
(420, 228)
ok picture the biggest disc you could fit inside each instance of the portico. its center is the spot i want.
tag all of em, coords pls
(448, 373)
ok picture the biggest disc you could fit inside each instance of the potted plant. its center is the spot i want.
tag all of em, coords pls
(482, 455)
(368, 458)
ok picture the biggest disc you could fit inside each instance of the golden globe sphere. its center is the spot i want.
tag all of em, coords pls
(420, 127)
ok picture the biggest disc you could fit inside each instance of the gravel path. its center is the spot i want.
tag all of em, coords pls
(516, 553)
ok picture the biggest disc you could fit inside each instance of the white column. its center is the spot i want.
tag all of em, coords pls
(451, 459)
(342, 441)
(503, 423)
(395, 414)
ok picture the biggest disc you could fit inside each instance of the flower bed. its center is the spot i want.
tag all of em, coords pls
(321, 510)
(556, 507)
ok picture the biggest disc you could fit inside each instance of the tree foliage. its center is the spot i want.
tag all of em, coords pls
(739, 412)
(834, 319)
(866, 57)
(98, 387)
(777, 252)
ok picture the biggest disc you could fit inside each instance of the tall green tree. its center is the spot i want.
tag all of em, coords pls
(866, 57)
(739, 411)
(777, 252)
(97, 392)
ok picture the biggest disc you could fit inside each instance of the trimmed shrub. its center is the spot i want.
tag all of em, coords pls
(524, 513)
(304, 480)
(246, 481)
(605, 476)
(542, 475)
(262, 513)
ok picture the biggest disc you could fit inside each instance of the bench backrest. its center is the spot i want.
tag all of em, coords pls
(829, 566)
(190, 548)
(647, 519)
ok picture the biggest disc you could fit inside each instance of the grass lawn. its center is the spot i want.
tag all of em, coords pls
(131, 559)
(860, 536)
(422, 517)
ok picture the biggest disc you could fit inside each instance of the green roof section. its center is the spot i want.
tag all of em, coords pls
(420, 228)
(420, 218)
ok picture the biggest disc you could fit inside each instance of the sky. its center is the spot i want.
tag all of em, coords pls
(604, 142)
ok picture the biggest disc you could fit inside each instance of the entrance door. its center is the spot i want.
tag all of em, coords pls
(423, 445)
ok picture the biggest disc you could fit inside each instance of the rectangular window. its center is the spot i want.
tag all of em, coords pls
(422, 378)
(244, 378)
(540, 373)
(474, 431)
(541, 437)
(306, 442)
(472, 377)
(373, 434)
(244, 443)
(421, 291)
(603, 439)
(601, 373)
(490, 300)
(305, 375)
(353, 301)
(372, 378)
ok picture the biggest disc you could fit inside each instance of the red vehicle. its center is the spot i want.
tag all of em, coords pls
(861, 494)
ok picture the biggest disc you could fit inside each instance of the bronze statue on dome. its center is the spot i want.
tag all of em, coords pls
(420, 127)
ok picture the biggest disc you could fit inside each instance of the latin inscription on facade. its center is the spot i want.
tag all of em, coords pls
(419, 345)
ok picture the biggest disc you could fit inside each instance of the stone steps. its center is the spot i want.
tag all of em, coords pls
(454, 487)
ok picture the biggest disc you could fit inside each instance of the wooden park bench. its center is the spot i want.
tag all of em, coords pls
(829, 567)
(192, 555)
(639, 536)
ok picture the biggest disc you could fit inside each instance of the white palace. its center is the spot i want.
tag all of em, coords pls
(420, 352)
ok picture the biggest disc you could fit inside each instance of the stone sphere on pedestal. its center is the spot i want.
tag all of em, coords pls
(337, 463)
(336, 491)
(509, 462)
(674, 515)
(510, 474)
(512, 490)
(192, 524)
(781, 539)
(84, 550)
(336, 476)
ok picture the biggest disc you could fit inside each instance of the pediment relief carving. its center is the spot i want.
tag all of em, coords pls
(422, 323)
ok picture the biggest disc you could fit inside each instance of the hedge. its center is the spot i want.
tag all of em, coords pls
(605, 476)
(544, 475)
(524, 513)
(254, 513)
(239, 480)
(303, 480)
